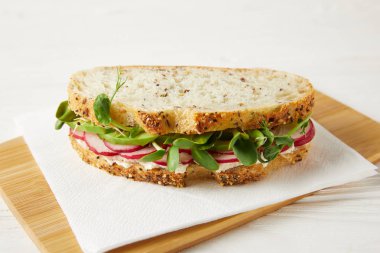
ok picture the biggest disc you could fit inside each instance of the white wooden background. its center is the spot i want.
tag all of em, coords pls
(334, 43)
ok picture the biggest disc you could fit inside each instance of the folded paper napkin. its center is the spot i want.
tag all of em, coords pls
(106, 212)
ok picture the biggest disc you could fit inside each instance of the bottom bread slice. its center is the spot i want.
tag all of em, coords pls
(237, 175)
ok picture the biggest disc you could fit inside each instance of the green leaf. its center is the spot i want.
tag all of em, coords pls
(244, 136)
(116, 138)
(59, 124)
(206, 146)
(221, 145)
(245, 151)
(226, 135)
(188, 142)
(120, 126)
(211, 141)
(269, 135)
(258, 137)
(64, 113)
(202, 138)
(304, 126)
(173, 158)
(135, 131)
(160, 139)
(169, 139)
(102, 107)
(283, 140)
(236, 136)
(218, 134)
(183, 143)
(88, 127)
(271, 152)
(157, 155)
(204, 159)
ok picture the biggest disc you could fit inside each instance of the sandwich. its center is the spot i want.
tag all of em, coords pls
(170, 125)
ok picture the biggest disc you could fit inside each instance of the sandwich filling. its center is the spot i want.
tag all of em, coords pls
(119, 158)
(215, 151)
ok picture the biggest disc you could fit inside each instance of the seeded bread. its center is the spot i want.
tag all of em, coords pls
(238, 175)
(193, 100)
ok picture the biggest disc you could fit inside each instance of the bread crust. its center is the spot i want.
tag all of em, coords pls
(238, 175)
(245, 174)
(189, 120)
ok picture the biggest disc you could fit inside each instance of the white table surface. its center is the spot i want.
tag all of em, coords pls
(336, 44)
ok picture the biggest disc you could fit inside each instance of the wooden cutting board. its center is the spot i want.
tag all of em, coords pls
(30, 199)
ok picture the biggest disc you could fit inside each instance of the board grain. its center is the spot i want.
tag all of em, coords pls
(30, 199)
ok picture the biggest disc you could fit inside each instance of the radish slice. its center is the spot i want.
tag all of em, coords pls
(184, 158)
(96, 145)
(227, 152)
(302, 139)
(225, 158)
(306, 138)
(139, 153)
(77, 134)
(284, 149)
(122, 148)
(188, 151)
(162, 161)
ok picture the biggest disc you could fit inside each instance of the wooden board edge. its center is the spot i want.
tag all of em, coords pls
(32, 235)
(54, 231)
(328, 108)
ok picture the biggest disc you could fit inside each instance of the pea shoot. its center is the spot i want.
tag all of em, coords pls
(157, 155)
(102, 104)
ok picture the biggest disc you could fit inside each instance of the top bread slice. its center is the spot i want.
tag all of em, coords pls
(193, 100)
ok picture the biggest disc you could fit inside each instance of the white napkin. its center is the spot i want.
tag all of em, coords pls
(106, 212)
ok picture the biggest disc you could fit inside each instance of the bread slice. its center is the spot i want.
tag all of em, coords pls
(193, 100)
(238, 175)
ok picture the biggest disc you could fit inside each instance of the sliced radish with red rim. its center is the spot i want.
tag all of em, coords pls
(122, 148)
(162, 161)
(96, 145)
(226, 152)
(307, 137)
(284, 149)
(77, 134)
(225, 158)
(188, 151)
(184, 158)
(301, 139)
(139, 153)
